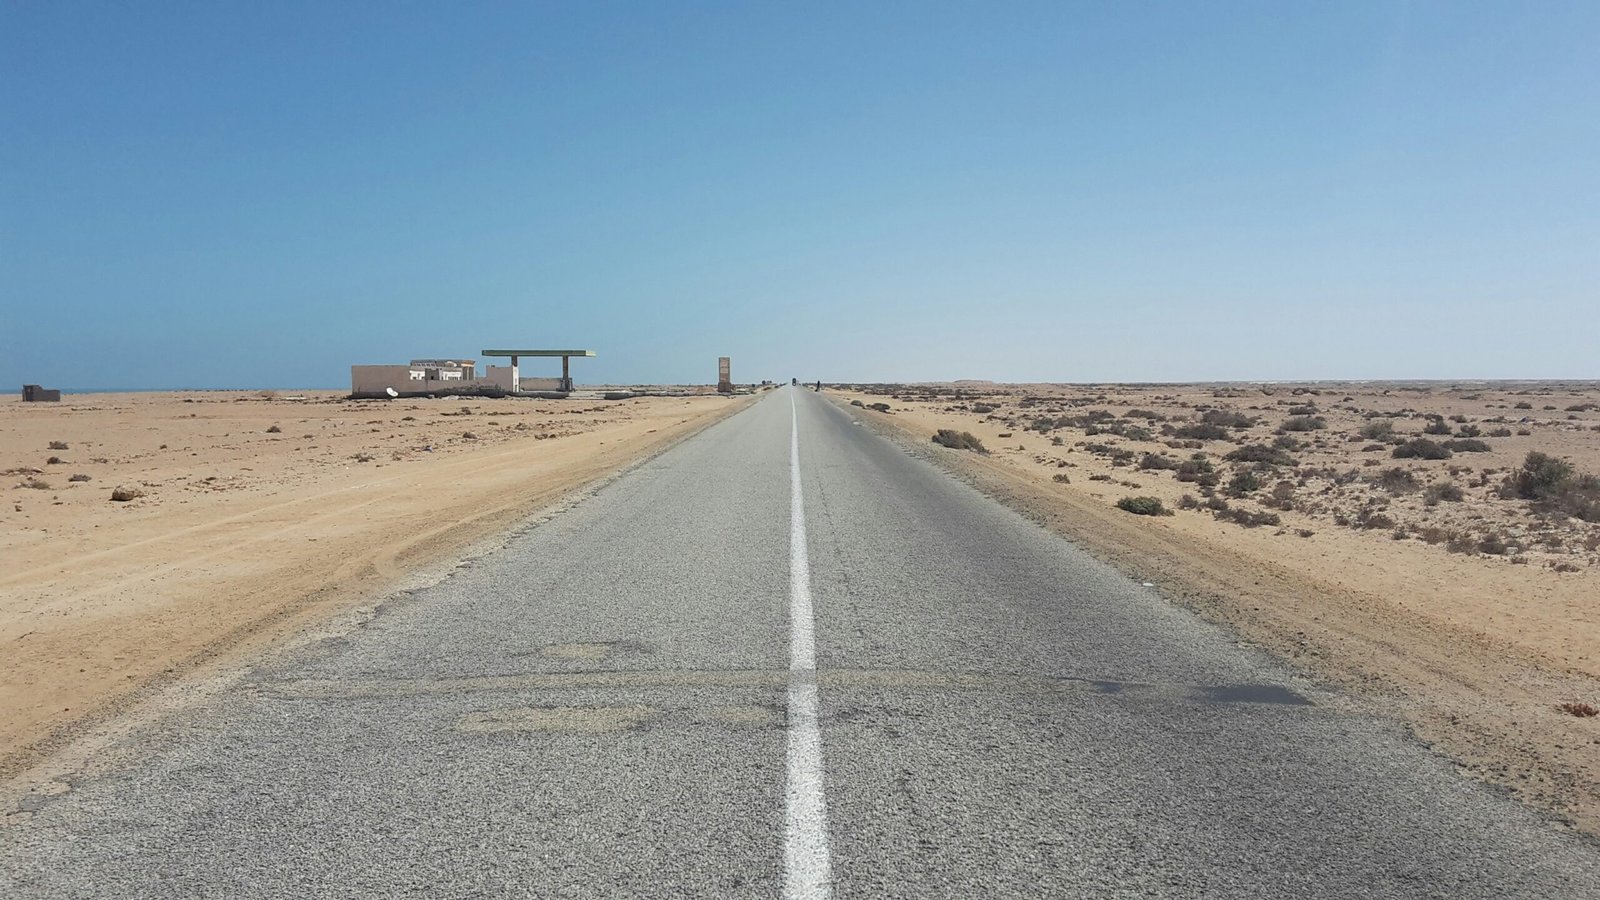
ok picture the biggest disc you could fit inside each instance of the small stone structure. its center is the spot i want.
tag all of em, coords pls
(724, 375)
(32, 393)
(424, 377)
(421, 377)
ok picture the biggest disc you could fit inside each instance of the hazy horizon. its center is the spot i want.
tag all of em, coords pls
(240, 196)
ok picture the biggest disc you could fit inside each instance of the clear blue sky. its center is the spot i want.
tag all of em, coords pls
(260, 194)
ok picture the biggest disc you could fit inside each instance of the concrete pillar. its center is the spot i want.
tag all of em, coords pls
(566, 373)
(516, 376)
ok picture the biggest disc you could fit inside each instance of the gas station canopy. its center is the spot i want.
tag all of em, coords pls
(516, 374)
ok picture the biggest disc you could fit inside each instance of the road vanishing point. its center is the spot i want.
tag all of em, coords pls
(783, 659)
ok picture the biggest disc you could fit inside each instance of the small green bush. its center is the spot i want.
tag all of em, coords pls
(1554, 487)
(1541, 476)
(1143, 506)
(1257, 453)
(1245, 517)
(1244, 483)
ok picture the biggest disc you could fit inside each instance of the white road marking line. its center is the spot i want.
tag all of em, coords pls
(807, 870)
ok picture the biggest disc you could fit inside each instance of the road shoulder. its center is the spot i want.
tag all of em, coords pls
(1478, 702)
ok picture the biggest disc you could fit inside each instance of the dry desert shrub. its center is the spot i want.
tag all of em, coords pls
(1371, 520)
(1226, 418)
(1494, 544)
(1157, 461)
(1303, 423)
(1243, 483)
(1579, 709)
(1247, 518)
(58, 445)
(1202, 431)
(1198, 470)
(1283, 496)
(958, 440)
(1445, 491)
(1436, 426)
(1397, 481)
(1554, 487)
(1259, 453)
(1421, 448)
(1433, 534)
(1378, 430)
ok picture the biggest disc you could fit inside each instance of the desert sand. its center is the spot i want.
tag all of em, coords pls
(1431, 587)
(252, 514)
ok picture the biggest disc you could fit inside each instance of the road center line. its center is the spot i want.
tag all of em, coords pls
(807, 871)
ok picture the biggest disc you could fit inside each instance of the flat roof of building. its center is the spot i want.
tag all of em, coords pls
(537, 353)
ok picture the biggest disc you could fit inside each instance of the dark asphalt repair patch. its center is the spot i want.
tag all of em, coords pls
(834, 679)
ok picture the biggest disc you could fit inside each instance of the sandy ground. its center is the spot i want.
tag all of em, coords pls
(256, 514)
(1473, 616)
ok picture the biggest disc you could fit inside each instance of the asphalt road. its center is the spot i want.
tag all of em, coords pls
(783, 659)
